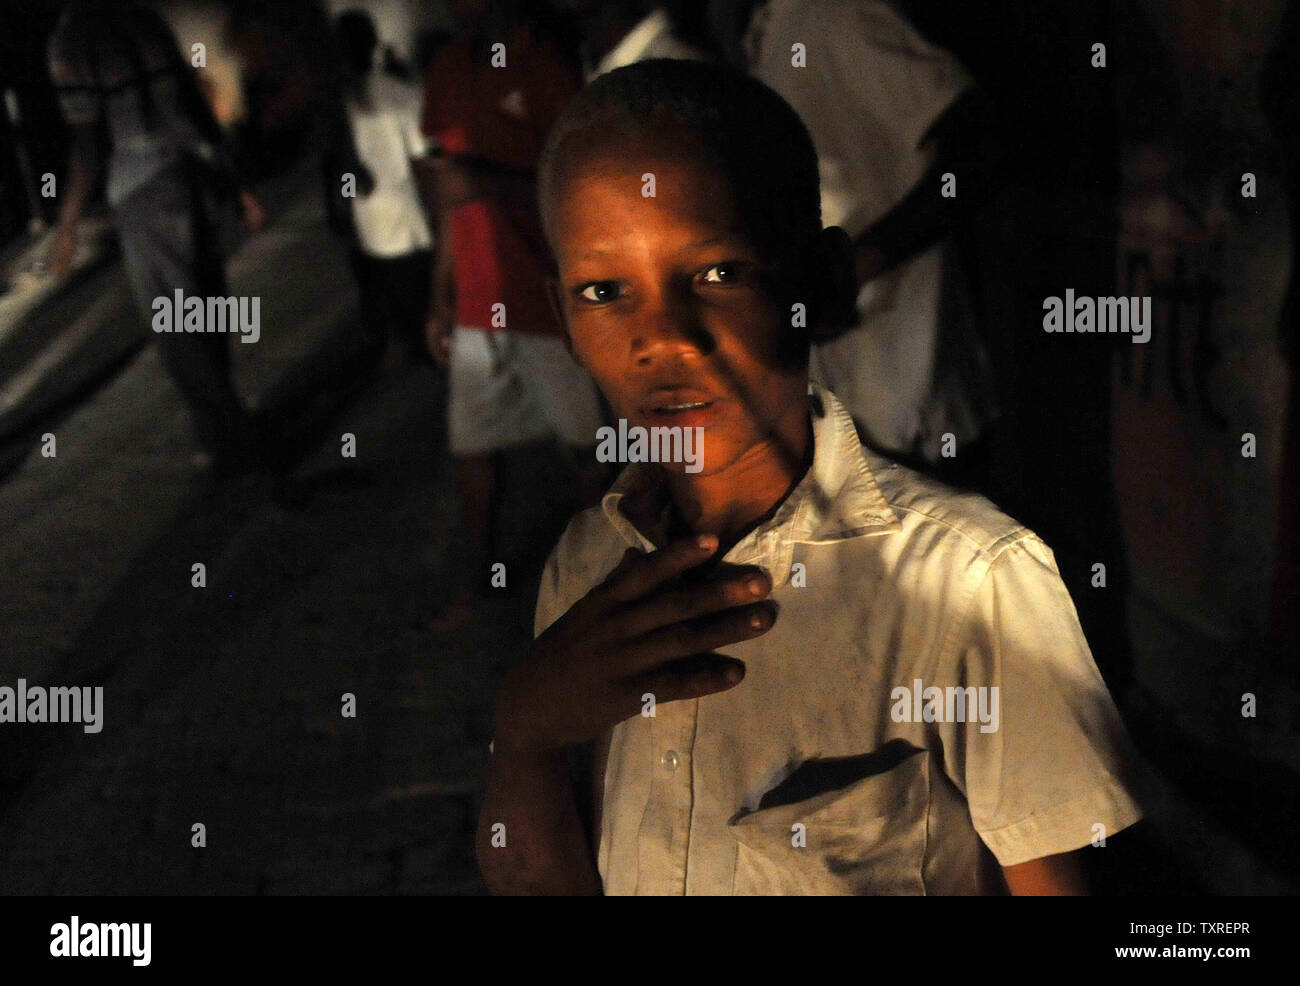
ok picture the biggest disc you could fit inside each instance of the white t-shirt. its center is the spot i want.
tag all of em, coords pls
(390, 221)
(869, 88)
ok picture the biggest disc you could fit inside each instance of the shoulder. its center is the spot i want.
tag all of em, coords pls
(586, 552)
(585, 548)
(848, 28)
(932, 510)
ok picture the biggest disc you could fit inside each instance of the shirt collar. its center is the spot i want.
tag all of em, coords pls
(837, 498)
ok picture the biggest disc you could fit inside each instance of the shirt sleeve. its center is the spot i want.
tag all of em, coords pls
(886, 69)
(1053, 769)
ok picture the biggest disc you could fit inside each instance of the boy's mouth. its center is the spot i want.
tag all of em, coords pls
(677, 404)
(674, 408)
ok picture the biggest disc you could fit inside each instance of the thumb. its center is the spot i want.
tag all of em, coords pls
(628, 556)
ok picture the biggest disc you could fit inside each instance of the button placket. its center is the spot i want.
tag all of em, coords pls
(673, 746)
(672, 730)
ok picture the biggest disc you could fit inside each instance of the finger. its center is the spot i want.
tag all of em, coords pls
(599, 601)
(592, 611)
(737, 587)
(706, 674)
(624, 563)
(698, 636)
(648, 572)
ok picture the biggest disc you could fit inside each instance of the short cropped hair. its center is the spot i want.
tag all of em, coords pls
(758, 141)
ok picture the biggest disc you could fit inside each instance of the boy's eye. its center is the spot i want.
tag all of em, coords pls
(724, 273)
(600, 292)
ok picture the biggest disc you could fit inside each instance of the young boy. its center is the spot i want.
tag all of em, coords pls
(882, 688)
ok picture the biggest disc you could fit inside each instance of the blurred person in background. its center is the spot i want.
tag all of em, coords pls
(130, 98)
(490, 99)
(381, 203)
(891, 115)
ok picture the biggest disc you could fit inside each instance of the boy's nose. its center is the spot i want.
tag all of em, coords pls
(668, 330)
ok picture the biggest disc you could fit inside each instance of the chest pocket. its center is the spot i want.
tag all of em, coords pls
(865, 838)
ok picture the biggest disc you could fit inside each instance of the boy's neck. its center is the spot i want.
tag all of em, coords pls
(734, 501)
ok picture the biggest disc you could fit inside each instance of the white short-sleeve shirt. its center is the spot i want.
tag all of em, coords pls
(832, 768)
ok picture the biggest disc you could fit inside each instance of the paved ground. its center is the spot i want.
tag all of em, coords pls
(223, 703)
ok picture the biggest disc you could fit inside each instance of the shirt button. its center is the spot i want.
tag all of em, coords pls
(670, 760)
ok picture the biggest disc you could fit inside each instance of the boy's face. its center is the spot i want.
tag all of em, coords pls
(666, 301)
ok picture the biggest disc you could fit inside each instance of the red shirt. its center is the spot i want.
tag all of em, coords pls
(500, 114)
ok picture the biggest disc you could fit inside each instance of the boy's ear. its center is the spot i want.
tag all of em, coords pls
(829, 278)
(557, 308)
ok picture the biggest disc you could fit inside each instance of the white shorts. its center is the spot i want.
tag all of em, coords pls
(508, 388)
